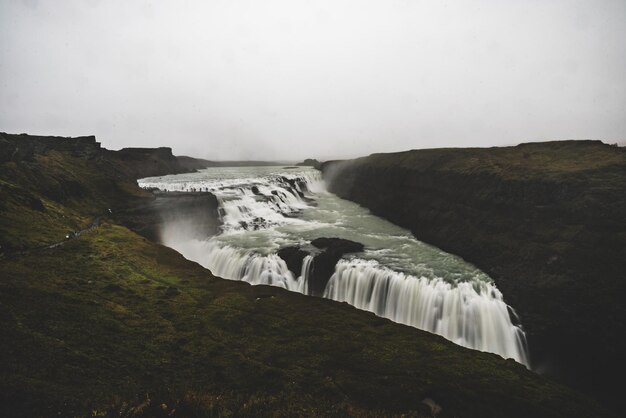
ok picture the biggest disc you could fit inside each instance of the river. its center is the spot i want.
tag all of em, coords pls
(397, 276)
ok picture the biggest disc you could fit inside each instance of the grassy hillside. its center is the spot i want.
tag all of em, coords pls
(546, 220)
(44, 199)
(113, 324)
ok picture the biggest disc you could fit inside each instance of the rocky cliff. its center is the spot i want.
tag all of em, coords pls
(546, 220)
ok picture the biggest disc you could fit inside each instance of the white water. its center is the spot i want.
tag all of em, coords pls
(396, 277)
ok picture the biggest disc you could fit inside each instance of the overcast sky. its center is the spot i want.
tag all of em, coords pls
(293, 79)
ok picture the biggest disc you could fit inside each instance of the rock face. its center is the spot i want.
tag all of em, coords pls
(324, 263)
(293, 256)
(546, 221)
(326, 253)
(195, 211)
(23, 147)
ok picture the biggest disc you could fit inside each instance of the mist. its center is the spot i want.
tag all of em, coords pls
(288, 80)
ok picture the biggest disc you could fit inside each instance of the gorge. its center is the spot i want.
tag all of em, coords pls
(265, 211)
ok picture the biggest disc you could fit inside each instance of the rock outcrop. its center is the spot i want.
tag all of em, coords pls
(326, 253)
(546, 220)
(293, 257)
(195, 211)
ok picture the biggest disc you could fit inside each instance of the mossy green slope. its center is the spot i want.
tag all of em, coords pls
(111, 323)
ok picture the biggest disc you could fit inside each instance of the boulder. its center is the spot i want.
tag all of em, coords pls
(327, 252)
(293, 256)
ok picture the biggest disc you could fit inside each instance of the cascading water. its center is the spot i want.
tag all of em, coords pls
(304, 274)
(266, 208)
(471, 314)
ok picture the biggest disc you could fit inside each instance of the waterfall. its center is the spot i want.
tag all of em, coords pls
(461, 303)
(233, 264)
(471, 314)
(250, 203)
(304, 275)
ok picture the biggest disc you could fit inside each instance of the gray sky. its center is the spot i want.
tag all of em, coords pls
(292, 79)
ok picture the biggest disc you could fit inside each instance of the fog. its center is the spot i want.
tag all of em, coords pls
(325, 79)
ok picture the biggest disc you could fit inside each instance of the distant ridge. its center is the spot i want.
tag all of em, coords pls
(249, 163)
(148, 161)
(132, 162)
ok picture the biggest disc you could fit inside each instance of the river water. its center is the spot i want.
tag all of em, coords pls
(398, 277)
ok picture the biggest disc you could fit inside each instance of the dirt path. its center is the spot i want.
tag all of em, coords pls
(71, 236)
